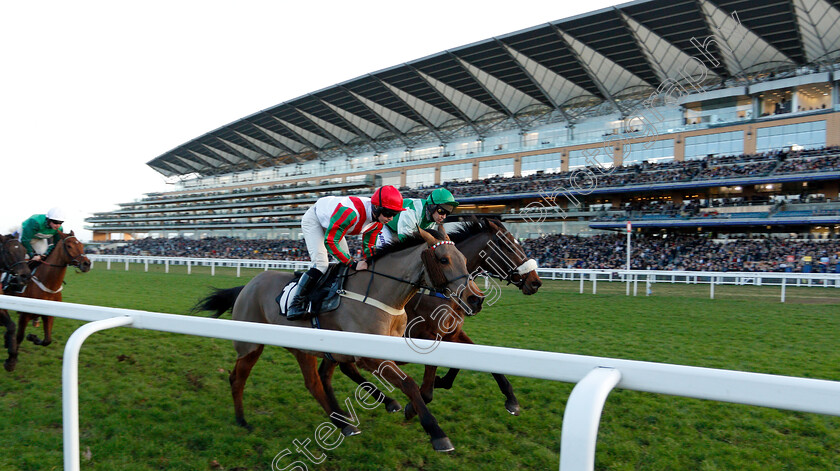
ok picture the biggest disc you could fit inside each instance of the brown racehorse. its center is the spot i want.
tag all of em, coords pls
(487, 245)
(47, 282)
(12, 264)
(399, 270)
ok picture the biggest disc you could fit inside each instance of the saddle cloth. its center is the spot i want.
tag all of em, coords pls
(324, 298)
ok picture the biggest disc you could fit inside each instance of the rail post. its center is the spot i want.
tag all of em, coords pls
(70, 385)
(582, 417)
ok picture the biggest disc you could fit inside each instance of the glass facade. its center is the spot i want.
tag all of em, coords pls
(725, 143)
(808, 135)
(493, 168)
(549, 163)
(420, 177)
(459, 172)
(656, 151)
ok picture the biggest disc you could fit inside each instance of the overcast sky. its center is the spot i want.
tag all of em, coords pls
(92, 90)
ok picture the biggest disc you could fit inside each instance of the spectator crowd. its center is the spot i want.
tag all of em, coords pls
(602, 251)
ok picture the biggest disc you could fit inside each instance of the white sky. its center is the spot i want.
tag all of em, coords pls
(92, 90)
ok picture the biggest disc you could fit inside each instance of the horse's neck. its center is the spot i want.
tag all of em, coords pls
(472, 247)
(405, 265)
(53, 268)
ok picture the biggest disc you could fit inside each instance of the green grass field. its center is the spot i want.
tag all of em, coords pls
(151, 400)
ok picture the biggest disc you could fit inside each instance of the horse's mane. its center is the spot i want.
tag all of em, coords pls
(472, 227)
(409, 242)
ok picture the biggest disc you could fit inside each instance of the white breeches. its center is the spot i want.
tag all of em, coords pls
(313, 234)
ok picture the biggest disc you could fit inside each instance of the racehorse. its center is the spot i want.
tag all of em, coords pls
(400, 270)
(488, 246)
(12, 264)
(47, 282)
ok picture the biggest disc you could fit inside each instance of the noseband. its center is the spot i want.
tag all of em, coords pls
(75, 261)
(521, 270)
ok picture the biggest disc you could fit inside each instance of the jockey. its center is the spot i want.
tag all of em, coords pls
(326, 223)
(38, 228)
(423, 213)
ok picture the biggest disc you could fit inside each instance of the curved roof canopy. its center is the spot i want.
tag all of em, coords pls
(608, 59)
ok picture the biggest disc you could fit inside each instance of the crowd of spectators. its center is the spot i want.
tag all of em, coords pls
(645, 173)
(681, 252)
(603, 251)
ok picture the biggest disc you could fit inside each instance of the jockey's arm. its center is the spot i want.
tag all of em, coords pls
(27, 232)
(342, 220)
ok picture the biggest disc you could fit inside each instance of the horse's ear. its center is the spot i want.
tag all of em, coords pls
(493, 225)
(72, 233)
(443, 231)
(430, 239)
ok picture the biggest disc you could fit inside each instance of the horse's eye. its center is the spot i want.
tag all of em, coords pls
(444, 261)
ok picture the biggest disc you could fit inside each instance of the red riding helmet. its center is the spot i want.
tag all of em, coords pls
(388, 197)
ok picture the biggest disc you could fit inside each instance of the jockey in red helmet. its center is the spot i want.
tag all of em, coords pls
(327, 222)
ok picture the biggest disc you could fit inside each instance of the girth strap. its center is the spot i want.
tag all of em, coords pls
(372, 302)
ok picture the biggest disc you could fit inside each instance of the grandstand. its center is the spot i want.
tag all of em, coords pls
(687, 117)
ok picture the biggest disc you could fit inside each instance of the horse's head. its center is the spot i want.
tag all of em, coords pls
(73, 252)
(505, 259)
(447, 271)
(13, 260)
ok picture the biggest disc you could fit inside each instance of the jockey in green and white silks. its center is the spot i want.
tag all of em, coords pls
(38, 229)
(423, 213)
(324, 226)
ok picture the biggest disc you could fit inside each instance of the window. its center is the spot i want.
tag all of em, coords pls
(656, 151)
(459, 172)
(725, 143)
(493, 168)
(420, 177)
(549, 163)
(808, 135)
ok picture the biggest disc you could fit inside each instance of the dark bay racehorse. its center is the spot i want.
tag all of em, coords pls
(488, 246)
(398, 271)
(47, 282)
(12, 264)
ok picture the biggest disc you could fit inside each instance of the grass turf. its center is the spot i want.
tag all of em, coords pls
(152, 400)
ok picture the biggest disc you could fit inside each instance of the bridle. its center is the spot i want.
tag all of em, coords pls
(5, 255)
(436, 289)
(75, 261)
(525, 267)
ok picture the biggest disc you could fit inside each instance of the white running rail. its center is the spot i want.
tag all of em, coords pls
(595, 376)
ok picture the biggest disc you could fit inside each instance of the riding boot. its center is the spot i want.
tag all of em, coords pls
(298, 308)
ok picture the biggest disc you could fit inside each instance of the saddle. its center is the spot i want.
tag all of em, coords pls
(324, 297)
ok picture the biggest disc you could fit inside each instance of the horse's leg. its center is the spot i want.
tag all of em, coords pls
(389, 371)
(511, 403)
(48, 325)
(427, 390)
(323, 393)
(350, 370)
(23, 320)
(9, 340)
(237, 379)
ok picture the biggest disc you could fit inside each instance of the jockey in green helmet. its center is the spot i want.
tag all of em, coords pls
(423, 213)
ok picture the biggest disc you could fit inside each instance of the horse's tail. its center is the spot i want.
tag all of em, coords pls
(220, 300)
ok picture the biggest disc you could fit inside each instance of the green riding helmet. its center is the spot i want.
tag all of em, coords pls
(440, 198)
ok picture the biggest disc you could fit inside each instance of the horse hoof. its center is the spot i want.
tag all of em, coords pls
(34, 339)
(512, 408)
(245, 425)
(409, 411)
(393, 406)
(9, 365)
(443, 445)
(350, 430)
(45, 343)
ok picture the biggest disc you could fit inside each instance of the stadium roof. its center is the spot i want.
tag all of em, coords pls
(607, 59)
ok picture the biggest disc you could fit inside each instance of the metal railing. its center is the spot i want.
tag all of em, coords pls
(595, 377)
(782, 280)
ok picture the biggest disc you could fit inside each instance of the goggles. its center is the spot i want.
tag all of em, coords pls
(388, 213)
